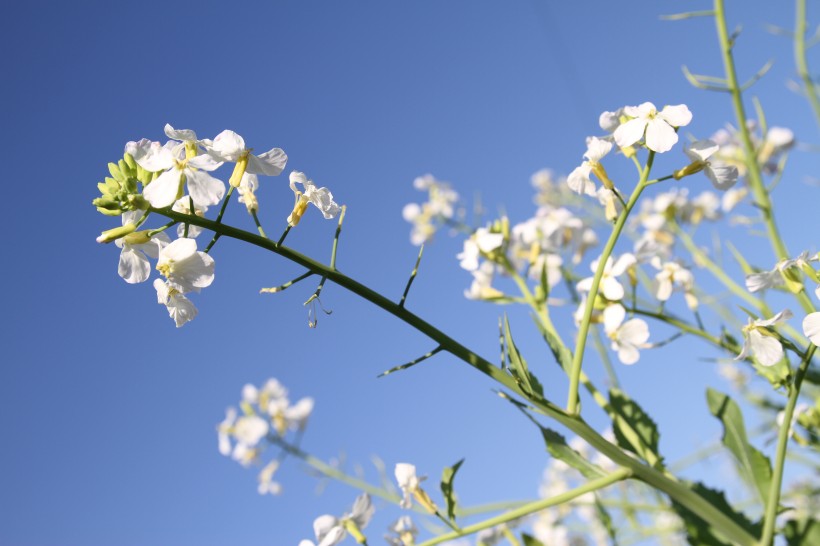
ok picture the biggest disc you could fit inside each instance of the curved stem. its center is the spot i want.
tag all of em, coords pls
(800, 58)
(755, 178)
(655, 478)
(583, 331)
(782, 442)
(532, 507)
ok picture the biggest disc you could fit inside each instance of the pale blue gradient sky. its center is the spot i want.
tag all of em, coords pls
(108, 412)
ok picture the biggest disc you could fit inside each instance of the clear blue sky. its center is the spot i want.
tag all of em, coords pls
(108, 412)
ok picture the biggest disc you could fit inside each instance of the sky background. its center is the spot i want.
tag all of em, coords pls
(108, 412)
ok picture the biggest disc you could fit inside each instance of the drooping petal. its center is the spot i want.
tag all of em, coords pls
(766, 349)
(362, 511)
(297, 177)
(204, 188)
(700, 150)
(185, 135)
(811, 327)
(660, 136)
(181, 309)
(579, 181)
(271, 163)
(722, 176)
(677, 116)
(133, 266)
(323, 200)
(163, 190)
(630, 132)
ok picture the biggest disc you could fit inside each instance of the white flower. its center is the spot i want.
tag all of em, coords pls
(612, 206)
(671, 274)
(180, 308)
(165, 189)
(609, 121)
(579, 179)
(266, 483)
(627, 337)
(410, 486)
(405, 532)
(330, 530)
(782, 274)
(811, 327)
(321, 198)
(759, 342)
(658, 126)
(137, 247)
(732, 198)
(722, 175)
(229, 146)
(482, 241)
(286, 417)
(185, 267)
(609, 285)
(481, 287)
(250, 429)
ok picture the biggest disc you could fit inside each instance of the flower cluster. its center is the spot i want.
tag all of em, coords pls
(164, 172)
(439, 208)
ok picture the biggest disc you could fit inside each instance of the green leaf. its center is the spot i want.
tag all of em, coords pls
(606, 520)
(802, 533)
(754, 466)
(641, 436)
(530, 540)
(698, 532)
(518, 366)
(447, 477)
(562, 355)
(558, 447)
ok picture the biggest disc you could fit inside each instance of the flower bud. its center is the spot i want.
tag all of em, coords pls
(116, 233)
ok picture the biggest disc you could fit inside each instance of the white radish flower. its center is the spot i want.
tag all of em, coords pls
(760, 342)
(627, 337)
(321, 198)
(186, 268)
(722, 175)
(579, 179)
(137, 247)
(609, 285)
(811, 327)
(482, 241)
(180, 308)
(167, 187)
(229, 146)
(659, 127)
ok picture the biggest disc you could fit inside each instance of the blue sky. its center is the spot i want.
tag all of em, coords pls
(108, 411)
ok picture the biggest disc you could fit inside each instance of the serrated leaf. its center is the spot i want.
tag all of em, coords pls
(641, 436)
(802, 533)
(529, 540)
(518, 366)
(754, 465)
(558, 447)
(447, 477)
(562, 355)
(698, 532)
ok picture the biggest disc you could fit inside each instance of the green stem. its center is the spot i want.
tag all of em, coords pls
(754, 175)
(258, 224)
(583, 331)
(412, 278)
(532, 507)
(655, 478)
(782, 443)
(800, 57)
(224, 206)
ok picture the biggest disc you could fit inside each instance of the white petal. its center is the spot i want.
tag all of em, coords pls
(163, 190)
(783, 315)
(271, 163)
(811, 327)
(660, 137)
(179, 250)
(700, 150)
(133, 266)
(634, 332)
(579, 181)
(628, 354)
(297, 177)
(181, 309)
(612, 289)
(614, 315)
(643, 110)
(204, 188)
(204, 162)
(597, 149)
(609, 121)
(676, 116)
(624, 262)
(630, 132)
(663, 291)
(227, 146)
(180, 134)
(151, 156)
(324, 525)
(766, 349)
(722, 176)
